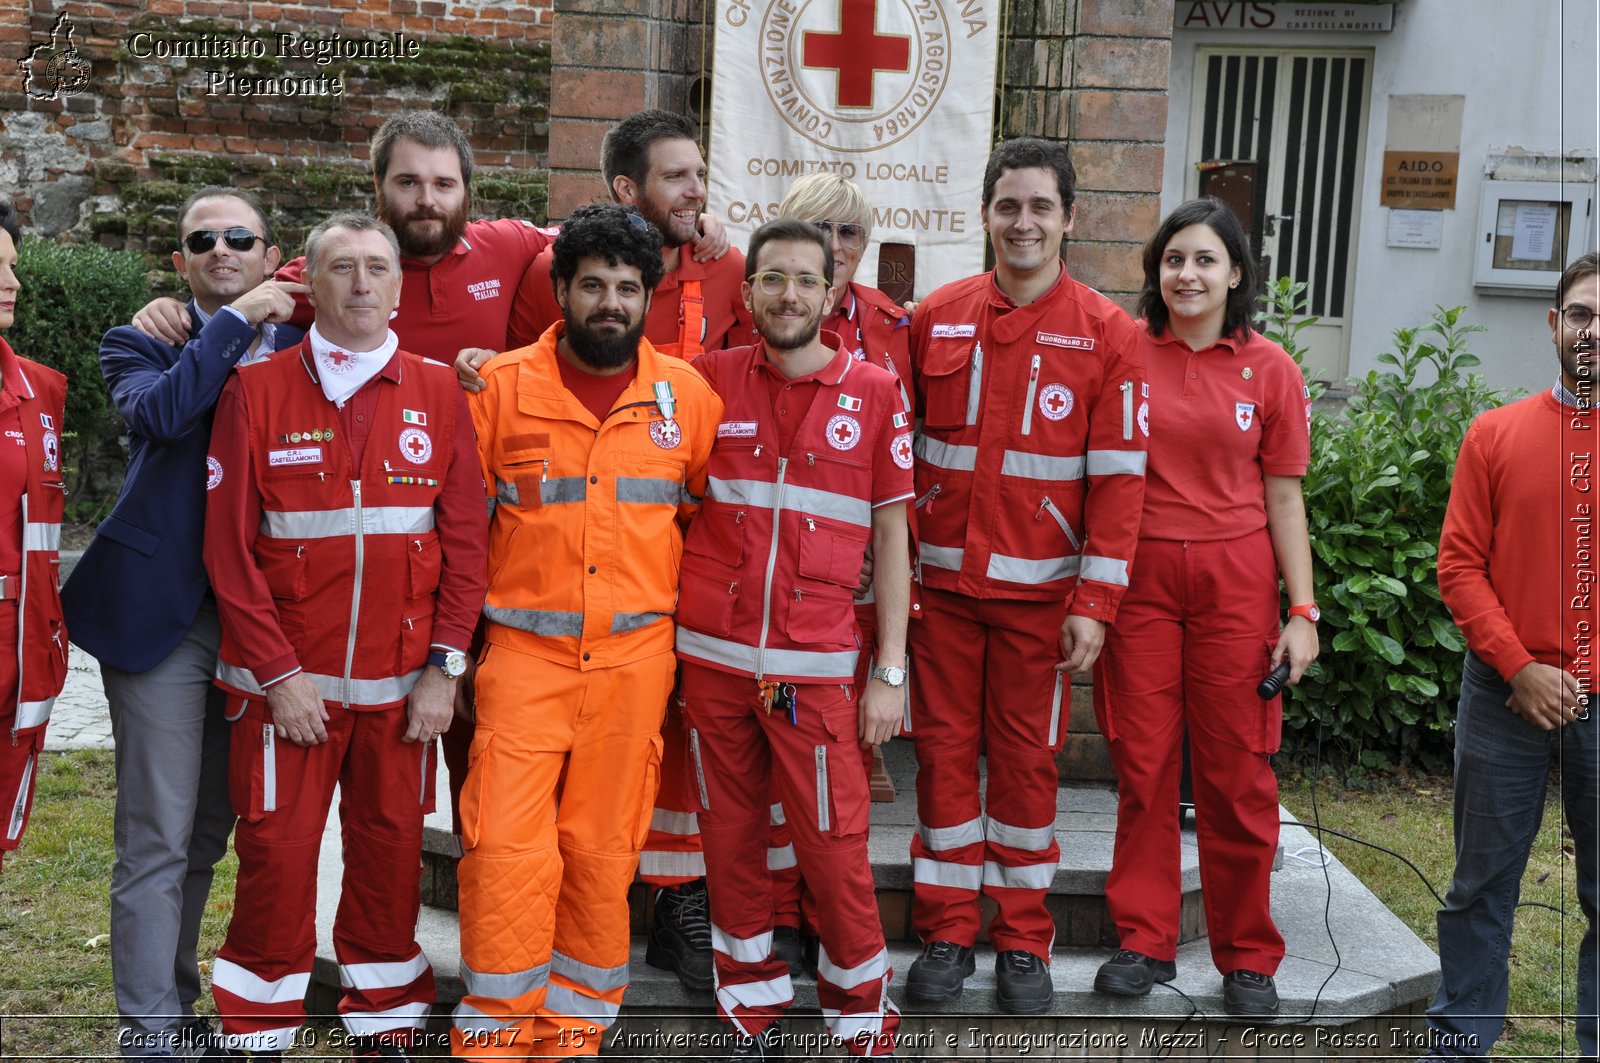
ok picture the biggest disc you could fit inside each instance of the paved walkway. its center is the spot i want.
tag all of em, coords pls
(80, 719)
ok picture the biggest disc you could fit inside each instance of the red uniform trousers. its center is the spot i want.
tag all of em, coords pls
(672, 852)
(986, 679)
(744, 757)
(281, 793)
(1193, 638)
(793, 903)
(556, 802)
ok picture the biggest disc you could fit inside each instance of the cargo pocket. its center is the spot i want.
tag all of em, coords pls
(647, 792)
(253, 782)
(951, 380)
(843, 801)
(472, 790)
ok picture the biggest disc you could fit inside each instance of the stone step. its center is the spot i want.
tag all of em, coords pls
(1085, 829)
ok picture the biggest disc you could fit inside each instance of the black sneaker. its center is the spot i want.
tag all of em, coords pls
(1131, 974)
(195, 1038)
(1249, 993)
(1022, 983)
(939, 975)
(768, 1044)
(786, 946)
(680, 935)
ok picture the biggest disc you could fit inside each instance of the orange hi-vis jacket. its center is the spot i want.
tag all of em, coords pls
(1031, 451)
(586, 539)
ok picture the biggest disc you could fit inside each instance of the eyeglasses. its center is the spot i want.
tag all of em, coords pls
(852, 237)
(1577, 316)
(202, 240)
(772, 282)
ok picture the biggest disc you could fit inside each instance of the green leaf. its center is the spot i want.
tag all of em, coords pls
(1390, 584)
(1447, 634)
(1383, 645)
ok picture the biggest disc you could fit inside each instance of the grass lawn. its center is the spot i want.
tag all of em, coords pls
(1413, 817)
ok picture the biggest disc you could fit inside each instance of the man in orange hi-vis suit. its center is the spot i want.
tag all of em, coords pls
(594, 449)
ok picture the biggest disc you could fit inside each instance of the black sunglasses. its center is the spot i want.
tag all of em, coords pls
(202, 240)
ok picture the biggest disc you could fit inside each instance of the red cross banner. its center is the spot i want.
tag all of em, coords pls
(896, 95)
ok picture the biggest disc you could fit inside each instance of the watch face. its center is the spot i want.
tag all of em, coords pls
(893, 676)
(1314, 614)
(455, 664)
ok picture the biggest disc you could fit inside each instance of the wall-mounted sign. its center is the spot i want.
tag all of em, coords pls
(1416, 228)
(1320, 18)
(1423, 179)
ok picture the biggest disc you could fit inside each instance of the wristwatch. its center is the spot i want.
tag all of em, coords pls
(1309, 611)
(894, 677)
(452, 663)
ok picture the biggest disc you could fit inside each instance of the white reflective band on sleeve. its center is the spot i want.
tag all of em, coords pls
(470, 1020)
(1104, 570)
(41, 537)
(566, 1001)
(1031, 569)
(265, 1042)
(599, 979)
(850, 1027)
(668, 821)
(1041, 466)
(1116, 462)
(939, 873)
(775, 814)
(328, 523)
(230, 977)
(773, 993)
(759, 494)
(741, 950)
(868, 970)
(33, 713)
(780, 857)
(504, 986)
(1030, 877)
(941, 838)
(412, 1015)
(946, 557)
(383, 975)
(1032, 839)
(331, 687)
(655, 864)
(648, 490)
(776, 662)
(946, 455)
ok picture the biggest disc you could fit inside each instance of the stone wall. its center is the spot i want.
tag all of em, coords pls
(109, 162)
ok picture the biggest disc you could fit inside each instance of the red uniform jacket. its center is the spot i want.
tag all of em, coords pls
(1031, 454)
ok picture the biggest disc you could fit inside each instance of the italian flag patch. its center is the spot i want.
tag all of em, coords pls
(849, 402)
(899, 420)
(413, 417)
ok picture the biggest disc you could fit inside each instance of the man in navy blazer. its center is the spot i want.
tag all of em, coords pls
(139, 602)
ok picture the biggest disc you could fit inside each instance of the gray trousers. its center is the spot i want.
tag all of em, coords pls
(173, 818)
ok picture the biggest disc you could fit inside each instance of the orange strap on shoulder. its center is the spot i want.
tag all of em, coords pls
(691, 323)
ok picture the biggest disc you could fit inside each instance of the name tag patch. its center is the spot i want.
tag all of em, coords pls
(954, 332)
(1075, 343)
(295, 456)
(736, 430)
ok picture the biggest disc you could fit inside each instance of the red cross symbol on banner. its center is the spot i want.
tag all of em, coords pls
(857, 51)
(1055, 402)
(416, 446)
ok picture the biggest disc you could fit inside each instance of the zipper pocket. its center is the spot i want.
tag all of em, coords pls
(269, 770)
(699, 769)
(1055, 711)
(933, 492)
(14, 828)
(822, 789)
(975, 383)
(1127, 409)
(1049, 507)
(1033, 391)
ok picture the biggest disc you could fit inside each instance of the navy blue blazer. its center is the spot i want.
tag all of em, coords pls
(140, 583)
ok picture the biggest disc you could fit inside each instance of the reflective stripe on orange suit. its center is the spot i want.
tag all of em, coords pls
(584, 550)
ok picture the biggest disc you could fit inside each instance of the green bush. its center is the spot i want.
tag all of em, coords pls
(1375, 493)
(70, 297)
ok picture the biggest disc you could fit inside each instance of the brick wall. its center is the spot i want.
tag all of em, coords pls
(1095, 73)
(111, 161)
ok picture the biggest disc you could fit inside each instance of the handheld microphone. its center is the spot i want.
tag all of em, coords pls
(1274, 680)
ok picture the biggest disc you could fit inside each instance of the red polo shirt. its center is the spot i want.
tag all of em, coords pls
(1220, 420)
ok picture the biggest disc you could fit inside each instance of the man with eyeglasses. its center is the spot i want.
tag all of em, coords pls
(139, 602)
(812, 463)
(1515, 570)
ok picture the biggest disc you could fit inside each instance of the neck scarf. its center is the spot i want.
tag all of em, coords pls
(342, 372)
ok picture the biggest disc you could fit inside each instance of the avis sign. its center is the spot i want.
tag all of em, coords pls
(896, 95)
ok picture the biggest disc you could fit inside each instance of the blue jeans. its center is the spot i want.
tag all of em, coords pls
(1502, 765)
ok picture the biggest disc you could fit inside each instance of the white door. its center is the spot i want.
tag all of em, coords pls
(1300, 117)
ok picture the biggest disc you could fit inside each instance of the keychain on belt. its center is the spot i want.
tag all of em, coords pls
(780, 696)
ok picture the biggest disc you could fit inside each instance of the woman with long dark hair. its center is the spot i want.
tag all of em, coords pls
(1229, 424)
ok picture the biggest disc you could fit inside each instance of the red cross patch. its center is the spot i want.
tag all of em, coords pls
(415, 446)
(843, 432)
(1055, 401)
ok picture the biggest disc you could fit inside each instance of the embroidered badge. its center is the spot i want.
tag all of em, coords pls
(1055, 401)
(46, 421)
(416, 417)
(295, 456)
(1247, 372)
(1243, 414)
(900, 420)
(1075, 343)
(952, 332)
(849, 402)
(1144, 418)
(52, 452)
(843, 431)
(737, 430)
(416, 446)
(901, 450)
(665, 434)
(213, 473)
